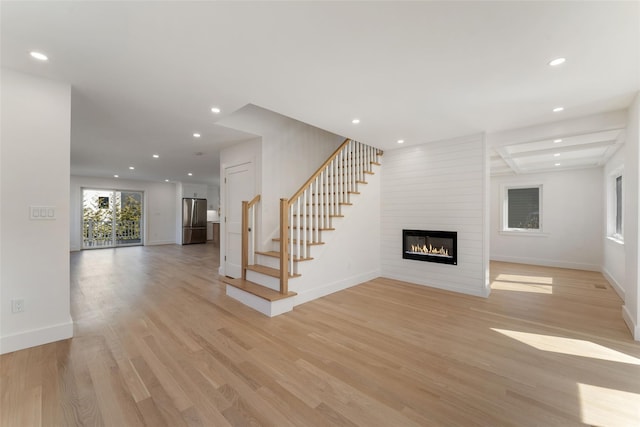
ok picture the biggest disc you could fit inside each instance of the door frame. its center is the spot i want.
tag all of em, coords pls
(223, 204)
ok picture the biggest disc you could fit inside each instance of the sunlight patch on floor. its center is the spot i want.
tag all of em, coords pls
(522, 287)
(596, 403)
(542, 280)
(569, 346)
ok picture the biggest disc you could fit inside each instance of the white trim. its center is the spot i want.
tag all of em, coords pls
(547, 262)
(319, 292)
(160, 242)
(35, 337)
(611, 201)
(521, 233)
(628, 319)
(504, 211)
(486, 217)
(616, 240)
(614, 283)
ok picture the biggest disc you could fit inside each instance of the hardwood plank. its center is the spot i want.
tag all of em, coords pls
(159, 343)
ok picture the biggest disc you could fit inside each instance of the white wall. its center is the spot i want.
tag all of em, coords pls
(351, 253)
(159, 207)
(437, 186)
(290, 155)
(34, 255)
(194, 190)
(631, 214)
(291, 152)
(572, 221)
(213, 197)
(285, 156)
(613, 254)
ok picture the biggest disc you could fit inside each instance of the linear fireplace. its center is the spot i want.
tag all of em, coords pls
(430, 246)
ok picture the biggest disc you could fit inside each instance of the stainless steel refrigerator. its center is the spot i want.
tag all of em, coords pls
(194, 221)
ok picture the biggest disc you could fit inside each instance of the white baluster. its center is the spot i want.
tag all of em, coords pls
(302, 226)
(297, 231)
(320, 206)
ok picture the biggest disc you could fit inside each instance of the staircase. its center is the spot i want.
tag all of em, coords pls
(304, 220)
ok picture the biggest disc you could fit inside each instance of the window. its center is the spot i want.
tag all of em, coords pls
(615, 205)
(522, 209)
(619, 205)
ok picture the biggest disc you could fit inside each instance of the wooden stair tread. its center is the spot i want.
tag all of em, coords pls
(277, 239)
(268, 271)
(276, 254)
(257, 290)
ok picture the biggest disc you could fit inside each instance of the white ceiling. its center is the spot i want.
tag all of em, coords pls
(145, 74)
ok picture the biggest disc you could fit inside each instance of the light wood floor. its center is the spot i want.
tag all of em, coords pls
(158, 343)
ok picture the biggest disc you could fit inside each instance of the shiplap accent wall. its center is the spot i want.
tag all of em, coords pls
(437, 186)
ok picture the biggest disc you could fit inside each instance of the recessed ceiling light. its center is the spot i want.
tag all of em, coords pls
(196, 135)
(156, 156)
(558, 109)
(401, 141)
(190, 174)
(557, 62)
(215, 110)
(116, 176)
(166, 180)
(556, 155)
(557, 141)
(131, 167)
(355, 121)
(557, 164)
(39, 56)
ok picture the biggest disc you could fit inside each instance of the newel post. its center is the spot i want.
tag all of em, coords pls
(284, 246)
(245, 239)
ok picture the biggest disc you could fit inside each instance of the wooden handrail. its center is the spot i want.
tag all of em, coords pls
(253, 201)
(319, 171)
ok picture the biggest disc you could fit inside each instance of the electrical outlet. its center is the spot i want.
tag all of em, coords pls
(17, 305)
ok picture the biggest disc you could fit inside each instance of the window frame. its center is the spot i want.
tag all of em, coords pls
(504, 226)
(612, 205)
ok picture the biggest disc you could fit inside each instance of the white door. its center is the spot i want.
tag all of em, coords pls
(240, 186)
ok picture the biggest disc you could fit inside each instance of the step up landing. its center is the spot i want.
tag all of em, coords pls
(267, 301)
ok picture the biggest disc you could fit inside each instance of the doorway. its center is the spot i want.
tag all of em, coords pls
(111, 218)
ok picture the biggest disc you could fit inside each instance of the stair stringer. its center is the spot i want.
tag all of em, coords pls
(351, 253)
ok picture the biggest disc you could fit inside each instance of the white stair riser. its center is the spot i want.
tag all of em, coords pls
(268, 261)
(265, 307)
(264, 280)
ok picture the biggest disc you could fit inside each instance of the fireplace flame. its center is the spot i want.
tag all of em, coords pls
(430, 250)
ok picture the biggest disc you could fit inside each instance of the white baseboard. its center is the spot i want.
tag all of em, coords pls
(628, 319)
(546, 262)
(160, 242)
(34, 337)
(319, 292)
(614, 283)
(480, 291)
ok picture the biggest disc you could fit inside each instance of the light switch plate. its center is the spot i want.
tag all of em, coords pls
(42, 212)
